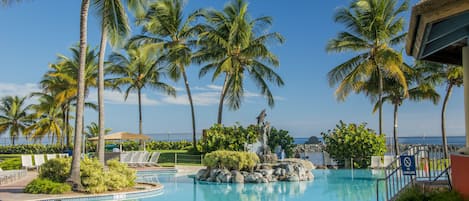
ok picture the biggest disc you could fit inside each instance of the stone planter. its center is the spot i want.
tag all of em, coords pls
(460, 173)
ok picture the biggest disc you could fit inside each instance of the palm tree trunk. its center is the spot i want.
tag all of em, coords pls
(102, 51)
(222, 100)
(74, 178)
(188, 89)
(396, 143)
(380, 101)
(443, 111)
(139, 111)
(67, 131)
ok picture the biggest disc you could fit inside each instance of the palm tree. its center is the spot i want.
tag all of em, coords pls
(231, 47)
(138, 69)
(61, 81)
(395, 94)
(14, 116)
(372, 25)
(49, 118)
(164, 26)
(450, 75)
(92, 130)
(74, 178)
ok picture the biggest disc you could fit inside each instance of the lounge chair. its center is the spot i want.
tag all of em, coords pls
(39, 159)
(153, 159)
(51, 156)
(63, 155)
(27, 162)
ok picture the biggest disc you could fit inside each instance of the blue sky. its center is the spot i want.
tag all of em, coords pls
(34, 32)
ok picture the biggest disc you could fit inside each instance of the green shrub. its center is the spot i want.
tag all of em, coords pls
(119, 176)
(232, 138)
(283, 139)
(56, 170)
(411, 194)
(348, 141)
(444, 196)
(160, 145)
(11, 164)
(231, 160)
(45, 186)
(31, 149)
(92, 175)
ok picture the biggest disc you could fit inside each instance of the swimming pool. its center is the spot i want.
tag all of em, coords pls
(328, 185)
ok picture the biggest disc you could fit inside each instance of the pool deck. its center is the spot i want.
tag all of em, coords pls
(14, 191)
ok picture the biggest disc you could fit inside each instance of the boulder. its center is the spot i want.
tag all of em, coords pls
(237, 177)
(224, 176)
(202, 174)
(292, 177)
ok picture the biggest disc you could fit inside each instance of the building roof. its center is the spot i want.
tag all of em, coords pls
(438, 30)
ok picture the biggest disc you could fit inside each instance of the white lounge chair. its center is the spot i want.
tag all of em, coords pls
(51, 156)
(153, 159)
(63, 155)
(136, 159)
(39, 159)
(27, 162)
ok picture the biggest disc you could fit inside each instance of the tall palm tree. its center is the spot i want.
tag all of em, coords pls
(395, 94)
(92, 130)
(372, 27)
(450, 75)
(114, 23)
(164, 26)
(232, 47)
(48, 115)
(14, 116)
(74, 178)
(139, 69)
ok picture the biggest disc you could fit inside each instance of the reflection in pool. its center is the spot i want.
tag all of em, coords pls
(328, 185)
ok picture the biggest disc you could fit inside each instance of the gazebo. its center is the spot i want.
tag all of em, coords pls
(119, 136)
(439, 32)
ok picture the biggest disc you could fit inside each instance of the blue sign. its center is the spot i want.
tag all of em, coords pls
(408, 165)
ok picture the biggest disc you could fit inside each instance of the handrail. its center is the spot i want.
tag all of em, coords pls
(429, 161)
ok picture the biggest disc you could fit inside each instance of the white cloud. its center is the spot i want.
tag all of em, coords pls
(11, 89)
(115, 97)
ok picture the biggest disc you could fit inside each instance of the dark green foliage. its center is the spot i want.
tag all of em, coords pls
(348, 141)
(231, 160)
(45, 186)
(57, 170)
(11, 164)
(234, 138)
(160, 145)
(31, 149)
(313, 140)
(417, 194)
(282, 138)
(130, 146)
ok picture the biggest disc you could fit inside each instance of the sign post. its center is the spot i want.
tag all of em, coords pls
(408, 165)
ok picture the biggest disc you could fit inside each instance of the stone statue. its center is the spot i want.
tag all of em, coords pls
(261, 117)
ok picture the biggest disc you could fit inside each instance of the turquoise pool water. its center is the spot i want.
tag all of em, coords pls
(328, 185)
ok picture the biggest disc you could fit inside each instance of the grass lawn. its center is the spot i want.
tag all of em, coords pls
(168, 158)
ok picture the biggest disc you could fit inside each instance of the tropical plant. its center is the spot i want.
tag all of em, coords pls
(231, 160)
(233, 138)
(48, 115)
(372, 27)
(283, 139)
(140, 68)
(74, 179)
(14, 116)
(61, 81)
(164, 26)
(450, 75)
(92, 130)
(352, 141)
(230, 46)
(395, 94)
